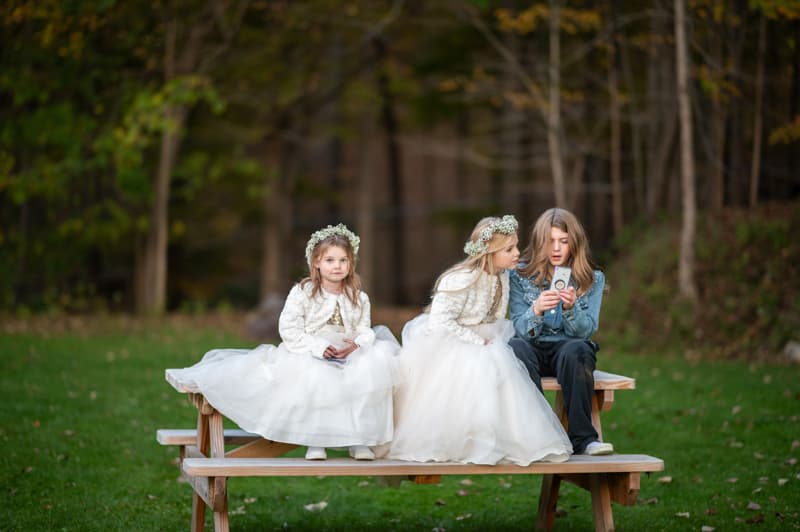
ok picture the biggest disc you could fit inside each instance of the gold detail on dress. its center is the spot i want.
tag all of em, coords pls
(336, 318)
(498, 295)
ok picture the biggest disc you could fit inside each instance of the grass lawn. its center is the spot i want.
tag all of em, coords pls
(79, 410)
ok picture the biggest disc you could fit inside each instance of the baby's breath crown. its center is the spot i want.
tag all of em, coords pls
(327, 232)
(507, 225)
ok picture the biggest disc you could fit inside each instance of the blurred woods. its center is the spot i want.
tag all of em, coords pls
(177, 154)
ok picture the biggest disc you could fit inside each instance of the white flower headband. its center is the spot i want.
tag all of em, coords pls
(322, 234)
(507, 225)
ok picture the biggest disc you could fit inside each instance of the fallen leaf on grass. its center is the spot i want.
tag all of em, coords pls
(736, 444)
(795, 444)
(758, 456)
(36, 423)
(711, 511)
(462, 517)
(69, 432)
(753, 506)
(682, 514)
(791, 461)
(440, 502)
(736, 409)
(504, 483)
(466, 482)
(250, 500)
(665, 480)
(651, 500)
(151, 497)
(238, 511)
(560, 512)
(763, 480)
(29, 469)
(462, 493)
(732, 480)
(316, 507)
(759, 518)
(706, 528)
(782, 481)
(756, 490)
(363, 483)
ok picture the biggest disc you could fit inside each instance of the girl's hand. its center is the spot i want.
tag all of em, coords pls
(351, 346)
(330, 352)
(547, 300)
(568, 296)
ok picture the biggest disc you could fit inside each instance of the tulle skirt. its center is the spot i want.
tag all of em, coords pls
(301, 399)
(470, 403)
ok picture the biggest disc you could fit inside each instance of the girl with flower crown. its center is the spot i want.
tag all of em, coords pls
(329, 383)
(464, 396)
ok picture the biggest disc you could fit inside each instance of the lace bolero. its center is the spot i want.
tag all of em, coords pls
(465, 298)
(303, 316)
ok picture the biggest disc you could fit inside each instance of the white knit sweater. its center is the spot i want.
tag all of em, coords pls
(464, 299)
(303, 316)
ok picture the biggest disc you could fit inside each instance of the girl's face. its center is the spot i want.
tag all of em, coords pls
(558, 247)
(507, 257)
(333, 265)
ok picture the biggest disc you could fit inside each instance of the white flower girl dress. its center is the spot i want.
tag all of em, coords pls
(290, 393)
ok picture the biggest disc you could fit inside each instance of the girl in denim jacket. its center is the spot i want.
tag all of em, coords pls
(554, 327)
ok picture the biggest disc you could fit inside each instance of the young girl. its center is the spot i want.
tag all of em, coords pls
(554, 326)
(329, 383)
(464, 396)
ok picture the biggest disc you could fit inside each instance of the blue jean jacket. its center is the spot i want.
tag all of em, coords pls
(580, 321)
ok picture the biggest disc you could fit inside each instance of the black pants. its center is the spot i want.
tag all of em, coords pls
(571, 362)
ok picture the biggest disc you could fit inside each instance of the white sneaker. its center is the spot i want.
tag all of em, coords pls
(316, 453)
(597, 448)
(362, 452)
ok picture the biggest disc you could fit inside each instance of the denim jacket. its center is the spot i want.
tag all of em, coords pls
(580, 321)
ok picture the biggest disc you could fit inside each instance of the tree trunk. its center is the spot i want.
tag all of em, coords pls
(634, 107)
(366, 208)
(389, 122)
(755, 167)
(719, 117)
(616, 130)
(151, 271)
(687, 288)
(554, 107)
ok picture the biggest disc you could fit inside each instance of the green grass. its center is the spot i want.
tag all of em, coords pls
(79, 410)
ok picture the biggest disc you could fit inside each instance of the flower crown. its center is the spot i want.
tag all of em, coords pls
(322, 234)
(507, 225)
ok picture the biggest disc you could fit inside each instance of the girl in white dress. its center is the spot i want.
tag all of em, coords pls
(464, 396)
(329, 383)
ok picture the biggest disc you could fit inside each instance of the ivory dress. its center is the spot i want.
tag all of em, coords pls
(290, 393)
(460, 400)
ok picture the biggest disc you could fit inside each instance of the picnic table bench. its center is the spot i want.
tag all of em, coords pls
(206, 464)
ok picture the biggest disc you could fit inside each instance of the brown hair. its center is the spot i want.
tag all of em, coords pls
(351, 284)
(536, 257)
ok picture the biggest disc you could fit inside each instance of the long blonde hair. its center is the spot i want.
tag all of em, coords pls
(351, 284)
(536, 255)
(482, 261)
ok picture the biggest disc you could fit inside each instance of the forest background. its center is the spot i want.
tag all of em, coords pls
(176, 155)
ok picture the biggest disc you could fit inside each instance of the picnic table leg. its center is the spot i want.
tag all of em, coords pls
(601, 502)
(545, 519)
(219, 496)
(198, 506)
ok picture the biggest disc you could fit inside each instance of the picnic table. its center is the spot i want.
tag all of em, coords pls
(206, 464)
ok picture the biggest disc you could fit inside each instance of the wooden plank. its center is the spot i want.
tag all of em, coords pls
(297, 467)
(189, 436)
(261, 448)
(602, 381)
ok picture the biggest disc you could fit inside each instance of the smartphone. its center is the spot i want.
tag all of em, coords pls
(560, 278)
